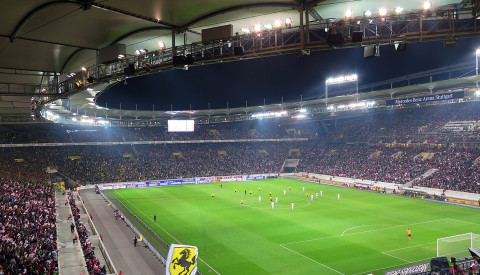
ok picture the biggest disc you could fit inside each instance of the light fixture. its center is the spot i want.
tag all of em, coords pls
(288, 22)
(268, 26)
(477, 52)
(257, 28)
(121, 56)
(277, 24)
(161, 44)
(382, 11)
(348, 13)
(398, 10)
(84, 69)
(246, 30)
(137, 52)
(367, 13)
(427, 5)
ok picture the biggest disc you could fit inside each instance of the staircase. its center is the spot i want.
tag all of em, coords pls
(424, 175)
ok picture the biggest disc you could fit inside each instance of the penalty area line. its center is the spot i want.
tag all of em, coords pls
(211, 268)
(293, 251)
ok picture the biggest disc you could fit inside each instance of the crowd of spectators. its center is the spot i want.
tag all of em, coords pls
(93, 263)
(56, 133)
(27, 220)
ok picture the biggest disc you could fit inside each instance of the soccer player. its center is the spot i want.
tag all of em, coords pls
(273, 205)
(303, 188)
(316, 195)
(235, 190)
(293, 205)
(307, 195)
(259, 189)
(311, 197)
(250, 192)
(409, 233)
(271, 199)
(241, 202)
(245, 192)
(321, 193)
(213, 195)
(276, 199)
(284, 192)
(290, 188)
(270, 193)
(259, 198)
(221, 185)
(155, 218)
(338, 196)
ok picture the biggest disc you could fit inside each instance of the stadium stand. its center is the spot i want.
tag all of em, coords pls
(28, 241)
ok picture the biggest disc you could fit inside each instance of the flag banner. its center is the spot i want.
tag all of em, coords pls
(182, 260)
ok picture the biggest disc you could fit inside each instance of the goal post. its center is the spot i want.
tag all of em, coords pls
(457, 246)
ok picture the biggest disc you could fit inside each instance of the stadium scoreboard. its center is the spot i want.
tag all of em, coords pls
(181, 125)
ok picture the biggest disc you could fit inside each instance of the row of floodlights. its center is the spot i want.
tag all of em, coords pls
(383, 11)
(277, 24)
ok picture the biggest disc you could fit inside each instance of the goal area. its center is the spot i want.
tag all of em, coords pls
(457, 246)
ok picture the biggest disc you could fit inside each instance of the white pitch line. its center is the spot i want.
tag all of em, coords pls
(293, 251)
(167, 232)
(361, 232)
(343, 233)
(385, 253)
(408, 247)
(462, 221)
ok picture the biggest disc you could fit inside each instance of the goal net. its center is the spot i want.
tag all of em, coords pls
(457, 246)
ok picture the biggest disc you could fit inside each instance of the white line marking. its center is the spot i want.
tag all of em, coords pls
(293, 251)
(361, 232)
(385, 253)
(463, 221)
(408, 247)
(148, 217)
(359, 226)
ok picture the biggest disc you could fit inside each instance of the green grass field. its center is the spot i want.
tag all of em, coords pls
(362, 232)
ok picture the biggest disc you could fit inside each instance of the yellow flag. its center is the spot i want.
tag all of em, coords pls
(182, 260)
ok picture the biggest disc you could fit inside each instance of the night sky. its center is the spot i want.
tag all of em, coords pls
(271, 78)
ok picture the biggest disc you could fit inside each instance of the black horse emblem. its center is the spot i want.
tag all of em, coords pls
(183, 262)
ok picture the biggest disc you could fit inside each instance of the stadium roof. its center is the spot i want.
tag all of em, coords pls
(40, 39)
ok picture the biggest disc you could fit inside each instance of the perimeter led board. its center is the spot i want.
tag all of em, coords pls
(181, 125)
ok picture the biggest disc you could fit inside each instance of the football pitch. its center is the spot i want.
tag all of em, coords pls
(362, 232)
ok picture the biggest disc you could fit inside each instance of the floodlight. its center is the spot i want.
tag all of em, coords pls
(348, 13)
(382, 11)
(268, 26)
(137, 52)
(246, 30)
(288, 22)
(477, 93)
(427, 5)
(257, 28)
(121, 56)
(477, 52)
(89, 89)
(367, 13)
(398, 10)
(143, 51)
(161, 44)
(84, 69)
(277, 24)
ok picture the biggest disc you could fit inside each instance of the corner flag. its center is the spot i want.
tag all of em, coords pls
(182, 259)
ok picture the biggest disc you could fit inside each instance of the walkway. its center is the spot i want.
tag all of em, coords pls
(118, 239)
